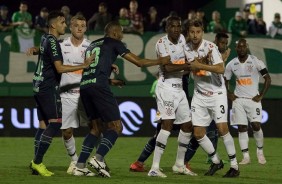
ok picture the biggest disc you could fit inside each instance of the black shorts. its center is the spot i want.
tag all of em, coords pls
(99, 102)
(49, 105)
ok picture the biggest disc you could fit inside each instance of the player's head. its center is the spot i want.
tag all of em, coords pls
(114, 30)
(78, 26)
(242, 48)
(221, 41)
(195, 31)
(173, 28)
(56, 22)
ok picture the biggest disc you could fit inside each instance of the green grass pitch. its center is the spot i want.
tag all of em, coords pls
(16, 154)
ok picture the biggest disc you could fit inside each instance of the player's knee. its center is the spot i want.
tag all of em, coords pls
(67, 133)
(256, 126)
(167, 125)
(199, 134)
(116, 126)
(242, 128)
(187, 127)
(95, 127)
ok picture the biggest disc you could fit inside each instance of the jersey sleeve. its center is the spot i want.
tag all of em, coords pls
(228, 71)
(260, 65)
(121, 49)
(55, 50)
(216, 56)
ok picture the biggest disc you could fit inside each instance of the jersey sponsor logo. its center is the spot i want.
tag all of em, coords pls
(179, 61)
(67, 45)
(66, 52)
(79, 72)
(245, 81)
(200, 73)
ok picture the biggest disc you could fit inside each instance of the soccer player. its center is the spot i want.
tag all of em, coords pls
(172, 103)
(98, 100)
(210, 99)
(46, 88)
(246, 99)
(73, 115)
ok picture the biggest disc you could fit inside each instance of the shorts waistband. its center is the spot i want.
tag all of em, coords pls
(208, 93)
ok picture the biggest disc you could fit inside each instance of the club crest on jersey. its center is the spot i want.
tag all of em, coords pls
(250, 68)
(160, 41)
(211, 45)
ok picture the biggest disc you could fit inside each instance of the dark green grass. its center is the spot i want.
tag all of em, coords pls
(16, 154)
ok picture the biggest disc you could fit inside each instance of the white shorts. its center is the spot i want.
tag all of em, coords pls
(245, 111)
(73, 113)
(204, 110)
(172, 104)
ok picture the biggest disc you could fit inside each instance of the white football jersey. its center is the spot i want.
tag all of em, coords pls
(164, 47)
(247, 75)
(204, 81)
(72, 55)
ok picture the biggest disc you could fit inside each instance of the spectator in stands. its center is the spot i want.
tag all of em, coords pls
(191, 15)
(276, 26)
(152, 21)
(5, 21)
(246, 15)
(124, 20)
(135, 17)
(237, 25)
(216, 25)
(200, 14)
(22, 18)
(66, 11)
(100, 19)
(40, 22)
(163, 21)
(257, 26)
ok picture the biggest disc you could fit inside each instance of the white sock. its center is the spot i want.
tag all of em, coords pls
(70, 146)
(230, 148)
(206, 144)
(244, 143)
(159, 148)
(259, 138)
(183, 141)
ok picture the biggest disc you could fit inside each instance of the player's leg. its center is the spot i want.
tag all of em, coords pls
(212, 134)
(220, 117)
(254, 111)
(69, 121)
(138, 166)
(201, 118)
(161, 142)
(40, 130)
(239, 118)
(51, 106)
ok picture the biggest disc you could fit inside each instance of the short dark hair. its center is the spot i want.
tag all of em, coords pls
(221, 35)
(170, 19)
(195, 23)
(53, 15)
(103, 4)
(109, 27)
(24, 2)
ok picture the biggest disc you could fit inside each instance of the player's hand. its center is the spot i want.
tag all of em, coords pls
(117, 82)
(195, 65)
(88, 61)
(226, 54)
(32, 51)
(257, 98)
(115, 69)
(231, 96)
(165, 60)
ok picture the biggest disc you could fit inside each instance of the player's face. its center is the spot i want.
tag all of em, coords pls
(195, 34)
(78, 28)
(242, 49)
(174, 30)
(61, 25)
(119, 33)
(222, 44)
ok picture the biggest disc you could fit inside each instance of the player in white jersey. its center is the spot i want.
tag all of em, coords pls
(73, 114)
(173, 107)
(209, 100)
(246, 99)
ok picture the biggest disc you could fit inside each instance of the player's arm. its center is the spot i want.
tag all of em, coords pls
(266, 85)
(32, 51)
(196, 65)
(143, 62)
(169, 68)
(227, 76)
(61, 68)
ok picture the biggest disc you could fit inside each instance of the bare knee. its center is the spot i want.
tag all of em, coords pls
(222, 128)
(167, 124)
(199, 132)
(67, 133)
(255, 126)
(242, 128)
(96, 127)
(115, 126)
(187, 127)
